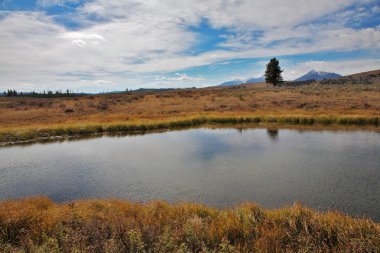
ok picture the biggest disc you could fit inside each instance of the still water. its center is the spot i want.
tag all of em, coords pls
(219, 167)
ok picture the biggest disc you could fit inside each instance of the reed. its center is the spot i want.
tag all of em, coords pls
(34, 134)
(40, 225)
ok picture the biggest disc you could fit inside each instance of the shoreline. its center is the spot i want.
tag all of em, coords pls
(20, 136)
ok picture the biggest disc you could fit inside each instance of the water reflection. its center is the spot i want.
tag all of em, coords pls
(240, 129)
(272, 133)
(218, 167)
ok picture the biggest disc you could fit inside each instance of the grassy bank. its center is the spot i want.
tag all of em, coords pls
(40, 225)
(26, 119)
(31, 134)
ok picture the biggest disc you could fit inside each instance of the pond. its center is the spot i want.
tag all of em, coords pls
(325, 170)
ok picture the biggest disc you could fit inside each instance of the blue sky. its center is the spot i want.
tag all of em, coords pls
(105, 45)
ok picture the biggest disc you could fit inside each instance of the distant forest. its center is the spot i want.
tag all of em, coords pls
(43, 94)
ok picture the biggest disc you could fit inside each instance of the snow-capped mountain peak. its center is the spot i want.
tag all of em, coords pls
(233, 82)
(317, 75)
(241, 81)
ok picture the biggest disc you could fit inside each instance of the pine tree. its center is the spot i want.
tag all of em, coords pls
(273, 72)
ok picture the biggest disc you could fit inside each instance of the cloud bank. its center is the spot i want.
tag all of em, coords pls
(143, 43)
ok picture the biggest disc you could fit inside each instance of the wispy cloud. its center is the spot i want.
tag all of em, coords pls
(179, 77)
(133, 42)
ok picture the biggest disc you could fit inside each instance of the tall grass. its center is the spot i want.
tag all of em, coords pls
(40, 225)
(14, 136)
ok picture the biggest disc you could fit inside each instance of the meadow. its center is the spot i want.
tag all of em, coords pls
(40, 225)
(27, 118)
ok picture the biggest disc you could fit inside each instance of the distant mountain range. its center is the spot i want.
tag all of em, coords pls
(317, 75)
(312, 75)
(255, 80)
(241, 81)
(232, 83)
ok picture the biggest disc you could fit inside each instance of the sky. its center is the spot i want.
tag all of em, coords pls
(108, 45)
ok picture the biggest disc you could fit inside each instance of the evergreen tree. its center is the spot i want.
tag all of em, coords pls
(273, 72)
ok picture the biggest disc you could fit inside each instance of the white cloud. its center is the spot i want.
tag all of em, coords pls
(239, 14)
(185, 77)
(81, 35)
(153, 37)
(179, 77)
(103, 82)
(83, 39)
(79, 43)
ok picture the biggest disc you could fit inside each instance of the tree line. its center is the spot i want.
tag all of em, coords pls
(45, 94)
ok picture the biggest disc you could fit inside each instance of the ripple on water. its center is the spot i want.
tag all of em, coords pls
(328, 170)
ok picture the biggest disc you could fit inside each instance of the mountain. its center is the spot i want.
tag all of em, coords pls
(240, 81)
(255, 80)
(312, 75)
(232, 83)
(317, 75)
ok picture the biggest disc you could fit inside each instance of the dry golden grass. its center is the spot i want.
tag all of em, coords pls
(311, 100)
(315, 103)
(39, 225)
